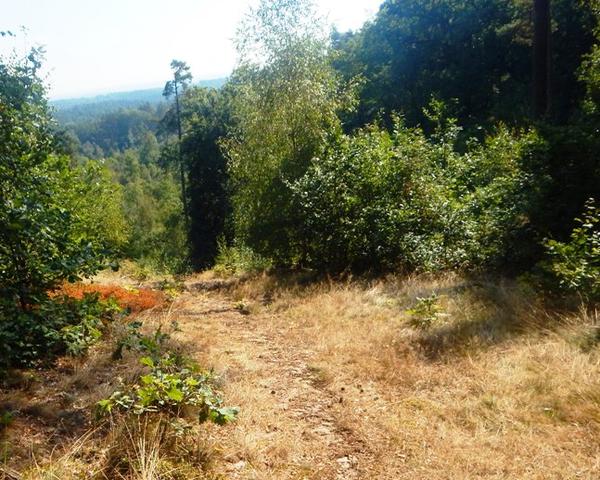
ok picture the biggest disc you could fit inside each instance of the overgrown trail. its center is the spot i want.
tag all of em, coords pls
(290, 425)
(333, 383)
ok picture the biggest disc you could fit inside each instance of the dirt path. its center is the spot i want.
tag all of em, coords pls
(290, 425)
(333, 384)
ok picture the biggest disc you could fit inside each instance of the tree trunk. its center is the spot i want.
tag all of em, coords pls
(541, 58)
(181, 169)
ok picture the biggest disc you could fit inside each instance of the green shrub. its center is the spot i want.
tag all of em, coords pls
(381, 200)
(87, 323)
(57, 222)
(239, 259)
(575, 265)
(51, 327)
(173, 386)
(425, 312)
(134, 340)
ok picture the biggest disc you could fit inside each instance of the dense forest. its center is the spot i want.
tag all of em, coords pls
(321, 148)
(442, 136)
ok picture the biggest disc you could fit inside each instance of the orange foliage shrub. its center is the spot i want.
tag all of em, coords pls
(135, 300)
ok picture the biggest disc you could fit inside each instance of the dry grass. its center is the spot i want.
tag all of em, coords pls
(334, 383)
(498, 388)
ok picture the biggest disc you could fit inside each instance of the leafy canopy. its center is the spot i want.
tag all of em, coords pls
(285, 102)
(52, 216)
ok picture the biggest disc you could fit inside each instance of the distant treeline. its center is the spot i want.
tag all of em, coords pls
(75, 110)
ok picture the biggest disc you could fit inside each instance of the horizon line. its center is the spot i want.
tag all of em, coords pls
(119, 90)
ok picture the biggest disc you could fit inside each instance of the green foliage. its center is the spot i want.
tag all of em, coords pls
(425, 312)
(575, 265)
(238, 259)
(90, 317)
(285, 99)
(134, 340)
(477, 52)
(57, 222)
(52, 327)
(206, 116)
(170, 388)
(381, 200)
(591, 75)
(98, 200)
(264, 164)
(589, 72)
(152, 205)
(172, 288)
(173, 385)
(114, 131)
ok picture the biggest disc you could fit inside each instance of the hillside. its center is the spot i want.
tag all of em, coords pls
(80, 109)
(370, 255)
(335, 381)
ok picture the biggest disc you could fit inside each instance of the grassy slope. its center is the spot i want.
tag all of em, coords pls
(333, 383)
(499, 388)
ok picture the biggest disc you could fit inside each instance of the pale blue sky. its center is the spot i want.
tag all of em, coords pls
(97, 46)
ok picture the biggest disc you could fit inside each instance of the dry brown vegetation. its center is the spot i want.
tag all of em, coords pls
(334, 383)
(498, 388)
(134, 300)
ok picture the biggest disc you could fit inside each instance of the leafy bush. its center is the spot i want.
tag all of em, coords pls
(381, 200)
(98, 201)
(154, 410)
(173, 385)
(134, 340)
(56, 326)
(575, 265)
(425, 313)
(237, 259)
(44, 241)
(57, 223)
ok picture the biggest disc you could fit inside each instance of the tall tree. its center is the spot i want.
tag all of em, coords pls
(541, 57)
(475, 54)
(285, 100)
(181, 80)
(590, 69)
(206, 118)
